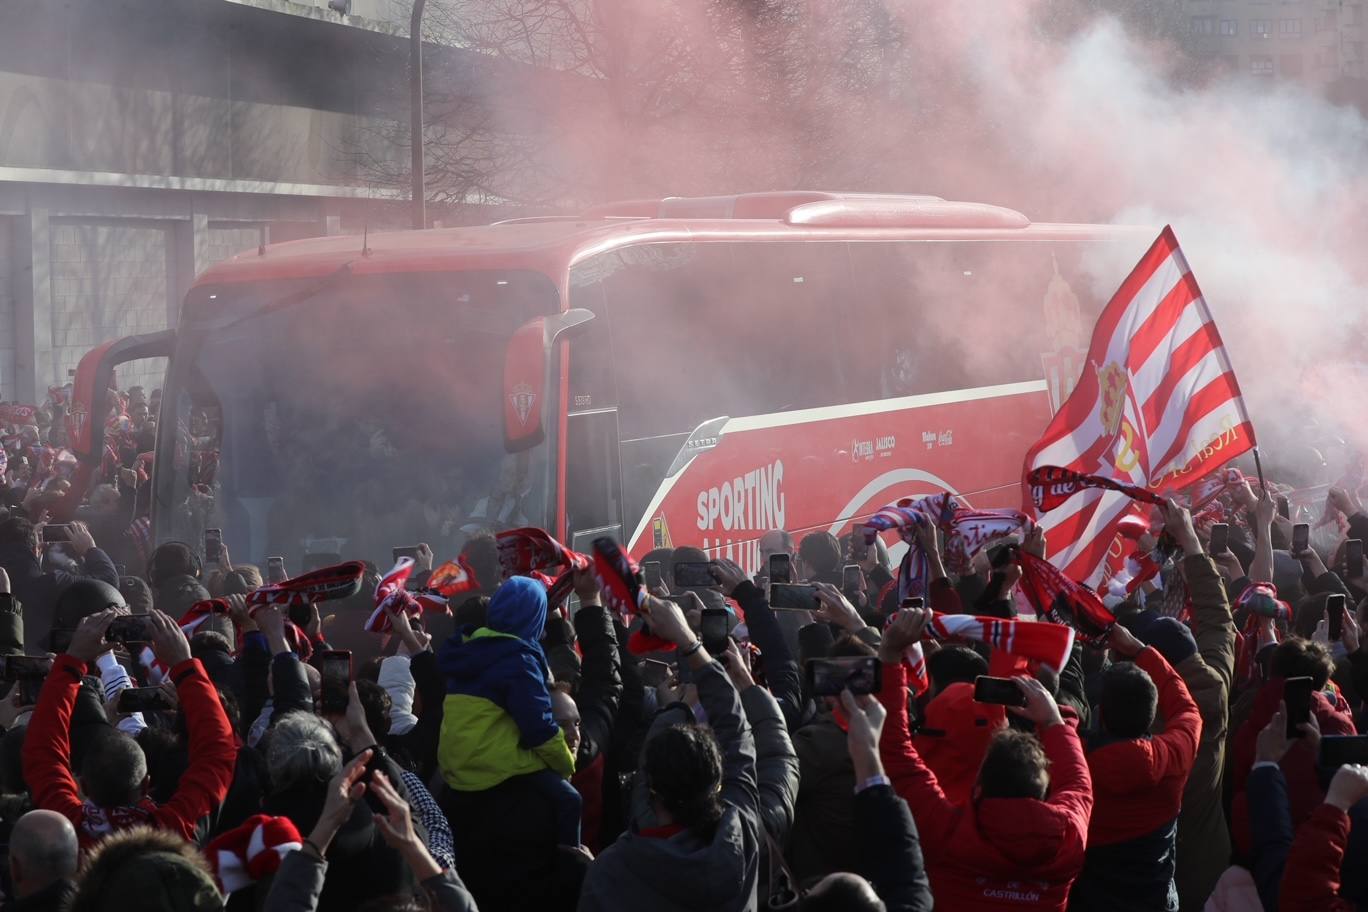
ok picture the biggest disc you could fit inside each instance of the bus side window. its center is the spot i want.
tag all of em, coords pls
(592, 383)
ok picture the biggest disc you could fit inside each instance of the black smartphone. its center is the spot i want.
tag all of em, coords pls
(1334, 615)
(1284, 508)
(213, 545)
(1301, 538)
(912, 601)
(852, 581)
(19, 667)
(275, 570)
(654, 672)
(780, 569)
(713, 630)
(858, 674)
(404, 551)
(1297, 699)
(650, 573)
(130, 628)
(1338, 750)
(793, 597)
(335, 668)
(55, 533)
(693, 574)
(815, 641)
(1002, 691)
(1220, 539)
(145, 699)
(1353, 558)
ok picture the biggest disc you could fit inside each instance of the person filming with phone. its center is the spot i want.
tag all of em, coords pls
(36, 587)
(110, 791)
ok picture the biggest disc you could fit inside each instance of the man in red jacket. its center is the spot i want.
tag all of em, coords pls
(1138, 781)
(114, 774)
(1018, 842)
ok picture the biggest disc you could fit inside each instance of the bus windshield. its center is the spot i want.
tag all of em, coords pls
(349, 416)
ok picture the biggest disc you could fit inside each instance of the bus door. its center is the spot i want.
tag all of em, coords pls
(593, 478)
(103, 433)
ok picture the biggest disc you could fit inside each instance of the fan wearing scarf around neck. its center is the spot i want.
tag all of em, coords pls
(497, 721)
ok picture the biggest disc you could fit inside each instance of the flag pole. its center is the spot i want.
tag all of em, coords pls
(1258, 467)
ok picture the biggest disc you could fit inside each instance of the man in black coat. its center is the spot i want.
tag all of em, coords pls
(21, 547)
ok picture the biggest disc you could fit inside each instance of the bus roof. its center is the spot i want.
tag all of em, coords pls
(552, 244)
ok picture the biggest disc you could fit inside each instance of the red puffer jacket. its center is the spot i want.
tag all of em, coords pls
(1138, 783)
(994, 853)
(202, 788)
(1312, 873)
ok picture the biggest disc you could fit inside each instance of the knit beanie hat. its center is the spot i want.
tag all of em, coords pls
(1170, 636)
(252, 851)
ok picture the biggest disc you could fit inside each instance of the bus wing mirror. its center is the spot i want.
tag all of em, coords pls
(85, 419)
(526, 379)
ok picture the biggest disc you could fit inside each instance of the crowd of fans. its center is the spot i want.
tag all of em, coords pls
(171, 741)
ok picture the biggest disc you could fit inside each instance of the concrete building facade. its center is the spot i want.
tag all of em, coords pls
(138, 147)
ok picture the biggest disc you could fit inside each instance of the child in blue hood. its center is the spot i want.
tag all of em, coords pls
(497, 721)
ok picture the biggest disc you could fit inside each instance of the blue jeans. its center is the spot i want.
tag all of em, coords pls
(565, 799)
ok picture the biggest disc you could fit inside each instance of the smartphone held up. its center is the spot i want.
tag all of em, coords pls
(335, 669)
(857, 674)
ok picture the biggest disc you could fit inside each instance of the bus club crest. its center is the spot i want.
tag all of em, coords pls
(523, 398)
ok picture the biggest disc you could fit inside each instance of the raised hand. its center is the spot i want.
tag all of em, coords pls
(728, 575)
(835, 608)
(1040, 707)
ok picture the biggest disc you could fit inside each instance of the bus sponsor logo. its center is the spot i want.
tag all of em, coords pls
(753, 501)
(933, 439)
(868, 449)
(523, 398)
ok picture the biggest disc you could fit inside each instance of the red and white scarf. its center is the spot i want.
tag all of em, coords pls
(391, 594)
(1063, 600)
(251, 852)
(1014, 643)
(98, 822)
(200, 612)
(966, 533)
(533, 552)
(619, 579)
(324, 584)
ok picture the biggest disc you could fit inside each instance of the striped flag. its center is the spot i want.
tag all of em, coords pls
(1157, 406)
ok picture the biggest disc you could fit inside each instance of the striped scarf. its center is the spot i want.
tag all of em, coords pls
(966, 533)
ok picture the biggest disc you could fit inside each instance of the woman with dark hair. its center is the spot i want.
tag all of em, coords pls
(703, 851)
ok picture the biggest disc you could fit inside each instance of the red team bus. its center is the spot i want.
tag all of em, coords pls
(669, 372)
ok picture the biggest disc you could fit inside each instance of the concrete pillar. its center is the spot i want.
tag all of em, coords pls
(33, 307)
(189, 257)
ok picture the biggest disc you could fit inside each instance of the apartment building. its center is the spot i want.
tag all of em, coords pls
(1314, 41)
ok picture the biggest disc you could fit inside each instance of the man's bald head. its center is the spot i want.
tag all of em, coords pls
(842, 891)
(775, 541)
(43, 849)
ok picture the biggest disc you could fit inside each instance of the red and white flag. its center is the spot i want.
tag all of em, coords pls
(1157, 406)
